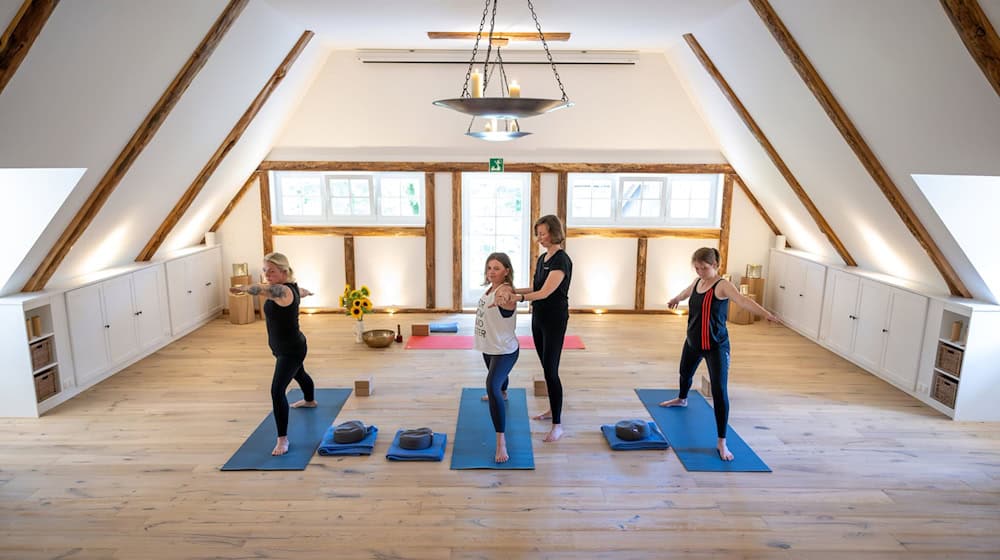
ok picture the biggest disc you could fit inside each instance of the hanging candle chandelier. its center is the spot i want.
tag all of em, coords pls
(501, 112)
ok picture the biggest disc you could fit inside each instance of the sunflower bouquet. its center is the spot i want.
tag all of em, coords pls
(357, 302)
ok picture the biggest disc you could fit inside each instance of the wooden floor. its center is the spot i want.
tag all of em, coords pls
(129, 469)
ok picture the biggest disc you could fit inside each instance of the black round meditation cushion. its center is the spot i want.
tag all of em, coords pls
(419, 438)
(351, 431)
(632, 430)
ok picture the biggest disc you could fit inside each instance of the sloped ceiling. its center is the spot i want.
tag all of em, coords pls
(897, 67)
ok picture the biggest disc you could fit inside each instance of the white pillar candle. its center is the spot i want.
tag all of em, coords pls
(493, 125)
(488, 127)
(515, 89)
(210, 238)
(477, 84)
(779, 242)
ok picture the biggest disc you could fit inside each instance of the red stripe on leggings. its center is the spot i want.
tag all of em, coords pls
(706, 316)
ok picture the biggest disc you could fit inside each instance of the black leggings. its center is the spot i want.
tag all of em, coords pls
(496, 384)
(717, 360)
(286, 368)
(548, 333)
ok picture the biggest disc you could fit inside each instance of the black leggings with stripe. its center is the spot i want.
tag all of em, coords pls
(717, 360)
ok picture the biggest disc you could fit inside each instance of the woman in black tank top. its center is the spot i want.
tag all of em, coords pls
(287, 343)
(707, 336)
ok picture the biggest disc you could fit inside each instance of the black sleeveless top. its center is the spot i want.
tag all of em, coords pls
(283, 334)
(707, 319)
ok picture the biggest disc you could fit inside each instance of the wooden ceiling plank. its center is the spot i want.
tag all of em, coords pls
(227, 144)
(857, 142)
(751, 124)
(509, 35)
(140, 139)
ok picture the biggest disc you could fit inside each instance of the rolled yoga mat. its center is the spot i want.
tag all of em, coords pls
(475, 438)
(306, 427)
(691, 432)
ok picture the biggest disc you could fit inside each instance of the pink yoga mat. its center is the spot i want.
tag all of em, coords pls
(464, 342)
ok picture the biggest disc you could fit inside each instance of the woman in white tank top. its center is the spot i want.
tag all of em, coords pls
(494, 336)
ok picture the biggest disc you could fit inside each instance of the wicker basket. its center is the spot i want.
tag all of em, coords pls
(944, 390)
(949, 359)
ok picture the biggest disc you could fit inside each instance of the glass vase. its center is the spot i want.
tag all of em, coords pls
(359, 329)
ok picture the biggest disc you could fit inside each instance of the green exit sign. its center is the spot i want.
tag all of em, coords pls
(496, 164)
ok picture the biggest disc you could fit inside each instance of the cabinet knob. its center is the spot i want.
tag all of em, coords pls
(107, 326)
(189, 291)
(885, 330)
(208, 283)
(782, 287)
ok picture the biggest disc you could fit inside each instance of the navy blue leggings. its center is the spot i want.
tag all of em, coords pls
(496, 383)
(548, 333)
(286, 368)
(717, 360)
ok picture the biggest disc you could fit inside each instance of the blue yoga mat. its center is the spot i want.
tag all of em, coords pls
(475, 437)
(691, 432)
(306, 427)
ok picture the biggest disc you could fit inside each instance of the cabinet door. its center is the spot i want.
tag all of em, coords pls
(118, 313)
(843, 303)
(181, 296)
(147, 285)
(208, 271)
(811, 298)
(87, 333)
(904, 339)
(776, 284)
(872, 316)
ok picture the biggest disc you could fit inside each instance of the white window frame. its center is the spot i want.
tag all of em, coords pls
(663, 220)
(328, 218)
(472, 272)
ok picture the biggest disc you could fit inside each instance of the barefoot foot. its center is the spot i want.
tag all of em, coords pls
(675, 402)
(554, 434)
(281, 447)
(304, 404)
(547, 415)
(724, 452)
(501, 456)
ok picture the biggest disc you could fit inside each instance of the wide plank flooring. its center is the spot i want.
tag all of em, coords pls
(129, 469)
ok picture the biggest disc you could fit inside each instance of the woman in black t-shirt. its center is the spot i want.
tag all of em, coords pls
(549, 297)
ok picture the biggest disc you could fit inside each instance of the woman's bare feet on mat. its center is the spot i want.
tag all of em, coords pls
(487, 397)
(547, 415)
(724, 453)
(554, 434)
(304, 404)
(281, 447)
(675, 402)
(501, 456)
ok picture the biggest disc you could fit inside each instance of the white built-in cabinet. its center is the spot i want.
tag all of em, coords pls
(116, 319)
(110, 320)
(877, 326)
(194, 284)
(795, 291)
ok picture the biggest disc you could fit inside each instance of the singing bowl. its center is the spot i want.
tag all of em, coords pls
(378, 338)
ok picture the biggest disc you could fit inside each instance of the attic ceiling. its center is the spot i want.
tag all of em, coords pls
(650, 25)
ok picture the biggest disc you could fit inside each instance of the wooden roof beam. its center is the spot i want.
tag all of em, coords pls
(978, 35)
(140, 139)
(857, 142)
(741, 110)
(223, 150)
(20, 34)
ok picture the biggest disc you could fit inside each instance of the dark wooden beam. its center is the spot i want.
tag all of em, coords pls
(978, 35)
(354, 231)
(20, 34)
(265, 211)
(727, 212)
(562, 194)
(536, 212)
(135, 146)
(961, 11)
(456, 239)
(223, 150)
(430, 245)
(751, 124)
(640, 273)
(692, 233)
(349, 272)
(757, 205)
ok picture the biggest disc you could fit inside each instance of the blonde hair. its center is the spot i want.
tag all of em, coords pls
(281, 261)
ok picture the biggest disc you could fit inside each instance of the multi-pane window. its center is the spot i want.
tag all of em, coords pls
(348, 198)
(495, 219)
(610, 200)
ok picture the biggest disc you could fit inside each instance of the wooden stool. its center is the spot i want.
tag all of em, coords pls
(241, 309)
(541, 388)
(706, 387)
(738, 315)
(365, 386)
